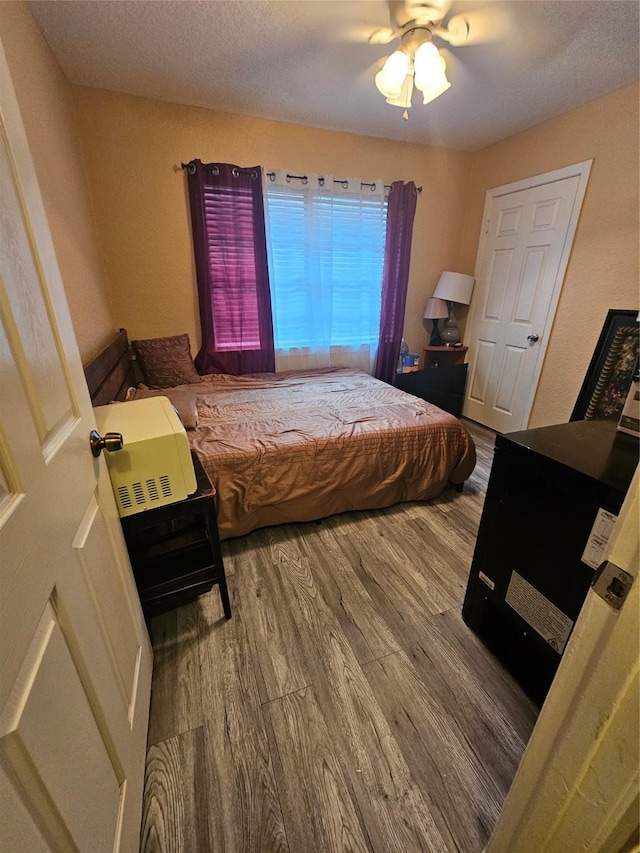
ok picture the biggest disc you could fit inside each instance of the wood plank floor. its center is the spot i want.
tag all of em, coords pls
(345, 706)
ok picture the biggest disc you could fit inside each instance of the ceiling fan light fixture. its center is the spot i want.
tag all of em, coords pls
(416, 63)
(390, 79)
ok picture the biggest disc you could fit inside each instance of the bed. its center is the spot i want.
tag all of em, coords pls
(304, 445)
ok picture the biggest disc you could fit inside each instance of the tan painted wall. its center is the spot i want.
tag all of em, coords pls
(603, 269)
(45, 99)
(133, 148)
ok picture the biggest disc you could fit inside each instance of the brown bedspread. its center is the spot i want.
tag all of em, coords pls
(303, 445)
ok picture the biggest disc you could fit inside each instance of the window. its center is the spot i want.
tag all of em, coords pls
(325, 246)
(331, 275)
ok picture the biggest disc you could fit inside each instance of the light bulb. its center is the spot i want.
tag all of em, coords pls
(429, 66)
(427, 52)
(390, 78)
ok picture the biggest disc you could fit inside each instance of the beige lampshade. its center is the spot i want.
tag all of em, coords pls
(436, 309)
(455, 287)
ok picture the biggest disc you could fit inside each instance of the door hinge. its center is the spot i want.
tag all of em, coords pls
(486, 228)
(612, 584)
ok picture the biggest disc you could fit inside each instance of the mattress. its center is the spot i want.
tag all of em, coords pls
(304, 445)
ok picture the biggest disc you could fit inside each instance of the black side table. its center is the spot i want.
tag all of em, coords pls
(175, 550)
(442, 386)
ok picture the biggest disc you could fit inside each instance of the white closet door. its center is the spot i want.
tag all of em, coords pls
(522, 259)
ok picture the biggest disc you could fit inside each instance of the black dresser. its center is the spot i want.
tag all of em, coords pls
(552, 497)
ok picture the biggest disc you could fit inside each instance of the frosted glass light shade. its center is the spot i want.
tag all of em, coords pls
(455, 287)
(390, 78)
(429, 65)
(403, 99)
(436, 90)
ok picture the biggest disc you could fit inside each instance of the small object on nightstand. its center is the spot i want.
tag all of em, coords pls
(410, 362)
(404, 349)
(155, 467)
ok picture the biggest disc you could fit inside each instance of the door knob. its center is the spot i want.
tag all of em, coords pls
(533, 338)
(111, 441)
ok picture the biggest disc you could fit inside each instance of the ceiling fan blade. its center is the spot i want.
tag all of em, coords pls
(402, 12)
(479, 26)
(382, 36)
(430, 10)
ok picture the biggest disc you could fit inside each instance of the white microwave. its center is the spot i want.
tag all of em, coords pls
(154, 467)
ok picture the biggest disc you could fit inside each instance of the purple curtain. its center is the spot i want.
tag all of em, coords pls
(397, 252)
(227, 218)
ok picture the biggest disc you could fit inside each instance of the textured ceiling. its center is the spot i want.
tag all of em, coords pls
(310, 61)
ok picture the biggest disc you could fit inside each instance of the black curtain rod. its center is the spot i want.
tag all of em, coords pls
(344, 182)
(304, 178)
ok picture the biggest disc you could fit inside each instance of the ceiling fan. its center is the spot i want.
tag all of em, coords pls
(404, 13)
(416, 62)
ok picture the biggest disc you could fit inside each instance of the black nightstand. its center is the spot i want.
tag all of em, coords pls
(175, 550)
(442, 386)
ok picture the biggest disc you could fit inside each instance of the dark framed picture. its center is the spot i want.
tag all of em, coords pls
(614, 362)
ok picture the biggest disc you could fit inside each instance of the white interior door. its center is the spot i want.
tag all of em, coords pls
(75, 666)
(528, 232)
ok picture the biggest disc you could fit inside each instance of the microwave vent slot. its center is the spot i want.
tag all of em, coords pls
(138, 493)
(165, 486)
(143, 493)
(125, 497)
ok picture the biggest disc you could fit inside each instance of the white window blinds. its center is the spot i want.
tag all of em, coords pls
(325, 244)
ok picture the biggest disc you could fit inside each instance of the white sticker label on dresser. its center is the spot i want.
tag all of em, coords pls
(598, 538)
(550, 622)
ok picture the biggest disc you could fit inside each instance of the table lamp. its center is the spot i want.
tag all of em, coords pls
(453, 287)
(435, 310)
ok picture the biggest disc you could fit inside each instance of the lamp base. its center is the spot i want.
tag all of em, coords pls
(436, 340)
(450, 333)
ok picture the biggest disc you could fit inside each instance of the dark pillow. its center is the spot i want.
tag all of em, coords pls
(166, 362)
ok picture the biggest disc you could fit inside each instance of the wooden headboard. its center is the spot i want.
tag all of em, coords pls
(111, 372)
